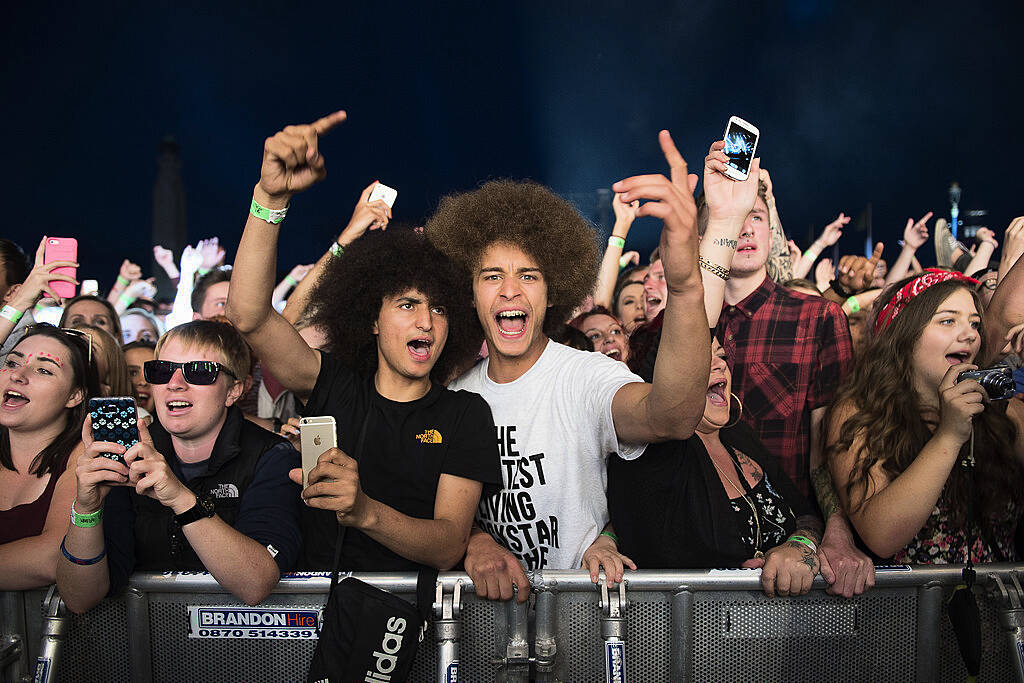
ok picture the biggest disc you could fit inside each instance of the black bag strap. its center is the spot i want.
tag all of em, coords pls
(426, 579)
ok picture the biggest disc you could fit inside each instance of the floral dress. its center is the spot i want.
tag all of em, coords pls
(942, 541)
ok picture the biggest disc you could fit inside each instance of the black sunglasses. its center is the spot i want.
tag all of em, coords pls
(201, 372)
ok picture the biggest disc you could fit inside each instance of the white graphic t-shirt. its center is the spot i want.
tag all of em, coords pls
(555, 432)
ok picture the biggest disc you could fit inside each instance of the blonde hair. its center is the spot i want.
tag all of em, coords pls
(218, 336)
(117, 368)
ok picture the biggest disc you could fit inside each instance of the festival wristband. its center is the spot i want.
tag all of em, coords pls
(78, 560)
(854, 304)
(86, 521)
(11, 313)
(806, 541)
(811, 253)
(122, 280)
(611, 536)
(290, 280)
(272, 216)
(337, 249)
(616, 241)
(126, 300)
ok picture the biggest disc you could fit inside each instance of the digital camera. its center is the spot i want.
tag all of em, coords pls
(997, 382)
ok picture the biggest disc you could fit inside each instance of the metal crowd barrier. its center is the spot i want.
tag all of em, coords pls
(657, 626)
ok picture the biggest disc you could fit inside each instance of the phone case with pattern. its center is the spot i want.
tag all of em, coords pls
(114, 420)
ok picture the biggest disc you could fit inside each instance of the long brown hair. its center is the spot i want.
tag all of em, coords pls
(889, 412)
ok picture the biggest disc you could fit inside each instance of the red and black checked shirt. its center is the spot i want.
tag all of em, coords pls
(787, 352)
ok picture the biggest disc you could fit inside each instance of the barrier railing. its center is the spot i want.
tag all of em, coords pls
(657, 626)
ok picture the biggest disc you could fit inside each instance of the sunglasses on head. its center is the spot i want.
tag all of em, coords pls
(80, 334)
(200, 372)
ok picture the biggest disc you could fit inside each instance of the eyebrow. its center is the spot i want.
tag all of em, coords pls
(499, 269)
(409, 299)
(956, 312)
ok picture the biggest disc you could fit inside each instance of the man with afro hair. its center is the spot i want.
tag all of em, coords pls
(560, 412)
(413, 457)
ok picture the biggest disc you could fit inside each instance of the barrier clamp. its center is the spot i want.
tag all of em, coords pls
(613, 630)
(448, 631)
(1011, 617)
(55, 629)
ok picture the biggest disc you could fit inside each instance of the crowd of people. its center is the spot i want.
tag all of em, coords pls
(508, 398)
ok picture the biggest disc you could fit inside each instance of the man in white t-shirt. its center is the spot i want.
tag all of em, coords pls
(559, 412)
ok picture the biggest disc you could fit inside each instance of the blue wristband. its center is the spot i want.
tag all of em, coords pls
(78, 560)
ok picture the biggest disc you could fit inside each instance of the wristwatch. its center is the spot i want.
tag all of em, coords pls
(202, 508)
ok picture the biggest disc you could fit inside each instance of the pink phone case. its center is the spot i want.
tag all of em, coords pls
(62, 249)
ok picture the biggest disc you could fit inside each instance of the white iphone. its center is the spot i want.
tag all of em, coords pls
(740, 145)
(382, 191)
(316, 434)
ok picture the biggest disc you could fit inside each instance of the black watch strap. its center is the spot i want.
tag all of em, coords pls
(203, 508)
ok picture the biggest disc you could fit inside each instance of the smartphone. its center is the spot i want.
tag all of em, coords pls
(114, 419)
(382, 191)
(740, 145)
(62, 249)
(90, 287)
(316, 434)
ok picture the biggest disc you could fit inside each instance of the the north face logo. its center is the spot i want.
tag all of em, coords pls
(224, 491)
(430, 436)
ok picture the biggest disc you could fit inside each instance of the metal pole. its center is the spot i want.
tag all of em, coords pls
(682, 636)
(929, 611)
(55, 627)
(517, 653)
(448, 630)
(140, 658)
(13, 655)
(544, 640)
(613, 631)
(1011, 618)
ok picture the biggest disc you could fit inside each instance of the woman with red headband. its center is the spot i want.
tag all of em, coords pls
(903, 432)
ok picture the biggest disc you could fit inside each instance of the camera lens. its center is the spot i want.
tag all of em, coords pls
(997, 385)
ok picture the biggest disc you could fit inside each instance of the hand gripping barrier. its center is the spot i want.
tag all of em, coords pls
(658, 626)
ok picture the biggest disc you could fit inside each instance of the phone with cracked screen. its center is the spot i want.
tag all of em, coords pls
(114, 419)
(62, 249)
(741, 139)
(316, 435)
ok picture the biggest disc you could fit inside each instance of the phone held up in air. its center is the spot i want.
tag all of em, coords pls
(62, 249)
(385, 193)
(740, 146)
(114, 419)
(316, 434)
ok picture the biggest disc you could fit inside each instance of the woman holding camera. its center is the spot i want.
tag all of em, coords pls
(905, 429)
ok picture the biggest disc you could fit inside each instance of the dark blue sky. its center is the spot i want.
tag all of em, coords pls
(857, 103)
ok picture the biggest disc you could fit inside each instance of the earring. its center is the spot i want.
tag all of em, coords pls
(738, 417)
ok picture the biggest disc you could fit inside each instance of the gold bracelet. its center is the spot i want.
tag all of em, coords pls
(713, 268)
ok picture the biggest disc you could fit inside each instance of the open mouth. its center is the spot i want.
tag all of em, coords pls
(14, 399)
(613, 353)
(511, 323)
(746, 247)
(716, 394)
(653, 301)
(143, 395)
(177, 406)
(420, 348)
(957, 357)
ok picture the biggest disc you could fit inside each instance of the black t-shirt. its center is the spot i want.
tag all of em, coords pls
(407, 447)
(670, 510)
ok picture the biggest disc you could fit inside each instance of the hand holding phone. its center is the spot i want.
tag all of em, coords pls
(62, 249)
(114, 419)
(741, 140)
(317, 435)
(384, 193)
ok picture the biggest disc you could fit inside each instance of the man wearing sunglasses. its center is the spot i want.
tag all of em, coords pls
(203, 489)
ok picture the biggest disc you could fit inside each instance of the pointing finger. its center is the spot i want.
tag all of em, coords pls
(877, 254)
(675, 160)
(327, 123)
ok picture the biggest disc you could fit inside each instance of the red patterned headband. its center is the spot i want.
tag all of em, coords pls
(931, 276)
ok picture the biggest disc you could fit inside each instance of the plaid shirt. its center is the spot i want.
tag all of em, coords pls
(787, 352)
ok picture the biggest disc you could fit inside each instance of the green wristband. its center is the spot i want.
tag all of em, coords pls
(290, 280)
(810, 253)
(806, 541)
(122, 280)
(272, 216)
(854, 304)
(337, 249)
(611, 536)
(126, 300)
(11, 313)
(616, 241)
(86, 521)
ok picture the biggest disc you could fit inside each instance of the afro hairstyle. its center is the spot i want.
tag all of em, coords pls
(349, 294)
(531, 217)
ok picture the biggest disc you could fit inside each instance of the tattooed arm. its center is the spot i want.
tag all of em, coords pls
(780, 266)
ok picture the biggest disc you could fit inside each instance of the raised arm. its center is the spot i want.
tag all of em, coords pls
(779, 264)
(366, 216)
(21, 297)
(291, 163)
(728, 202)
(914, 237)
(608, 274)
(987, 246)
(673, 404)
(1013, 246)
(1005, 311)
(829, 236)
